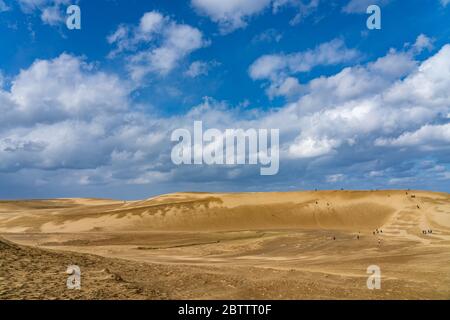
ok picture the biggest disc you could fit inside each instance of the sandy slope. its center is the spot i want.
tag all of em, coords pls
(249, 245)
(343, 210)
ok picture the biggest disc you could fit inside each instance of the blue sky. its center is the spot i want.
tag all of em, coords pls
(88, 113)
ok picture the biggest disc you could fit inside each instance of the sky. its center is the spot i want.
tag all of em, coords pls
(90, 112)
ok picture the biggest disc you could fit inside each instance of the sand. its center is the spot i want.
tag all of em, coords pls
(293, 245)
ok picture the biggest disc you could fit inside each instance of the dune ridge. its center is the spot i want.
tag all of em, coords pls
(340, 210)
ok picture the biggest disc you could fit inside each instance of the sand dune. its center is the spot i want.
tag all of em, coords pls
(320, 242)
(343, 210)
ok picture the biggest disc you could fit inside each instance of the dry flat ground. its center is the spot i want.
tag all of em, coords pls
(294, 245)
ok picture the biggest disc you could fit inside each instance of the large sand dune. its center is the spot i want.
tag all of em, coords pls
(343, 210)
(321, 242)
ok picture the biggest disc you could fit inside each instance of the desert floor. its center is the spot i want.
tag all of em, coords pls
(293, 245)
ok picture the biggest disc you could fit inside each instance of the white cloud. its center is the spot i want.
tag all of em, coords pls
(304, 8)
(360, 6)
(335, 178)
(70, 123)
(445, 2)
(63, 114)
(30, 5)
(404, 181)
(60, 113)
(278, 67)
(165, 43)
(3, 6)
(423, 42)
(66, 87)
(310, 147)
(50, 146)
(329, 53)
(427, 86)
(230, 14)
(52, 12)
(394, 64)
(121, 39)
(267, 66)
(234, 14)
(269, 36)
(197, 68)
(151, 22)
(52, 16)
(427, 137)
(374, 174)
(361, 104)
(288, 87)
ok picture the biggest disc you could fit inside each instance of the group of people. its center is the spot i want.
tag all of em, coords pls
(377, 231)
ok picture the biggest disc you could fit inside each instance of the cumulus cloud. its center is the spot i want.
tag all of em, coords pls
(360, 6)
(52, 12)
(334, 178)
(428, 137)
(63, 88)
(231, 14)
(234, 14)
(329, 53)
(65, 115)
(156, 45)
(340, 113)
(66, 122)
(199, 68)
(309, 147)
(277, 68)
(303, 8)
(54, 110)
(423, 43)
